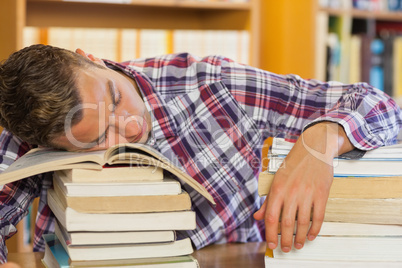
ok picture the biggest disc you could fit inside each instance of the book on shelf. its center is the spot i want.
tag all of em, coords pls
(355, 59)
(130, 43)
(377, 64)
(110, 238)
(77, 221)
(167, 186)
(388, 60)
(41, 160)
(56, 257)
(397, 79)
(115, 173)
(124, 204)
(341, 27)
(349, 187)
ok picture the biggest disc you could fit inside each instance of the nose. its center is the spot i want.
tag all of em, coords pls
(128, 126)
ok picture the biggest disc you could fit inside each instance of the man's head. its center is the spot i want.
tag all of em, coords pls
(57, 98)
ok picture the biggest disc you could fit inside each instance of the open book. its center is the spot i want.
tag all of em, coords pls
(42, 160)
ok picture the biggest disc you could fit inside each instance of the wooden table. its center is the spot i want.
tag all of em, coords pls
(216, 256)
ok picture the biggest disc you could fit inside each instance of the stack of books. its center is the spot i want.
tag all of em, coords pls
(119, 207)
(363, 216)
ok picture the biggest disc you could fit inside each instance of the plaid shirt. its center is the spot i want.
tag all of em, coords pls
(210, 116)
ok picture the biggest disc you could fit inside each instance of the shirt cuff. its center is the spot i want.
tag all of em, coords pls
(355, 128)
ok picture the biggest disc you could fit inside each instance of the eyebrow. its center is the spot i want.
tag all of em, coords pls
(111, 90)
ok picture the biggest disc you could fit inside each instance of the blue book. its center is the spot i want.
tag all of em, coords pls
(377, 64)
(394, 5)
(55, 255)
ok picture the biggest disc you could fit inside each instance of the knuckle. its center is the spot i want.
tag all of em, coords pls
(271, 219)
(303, 221)
(287, 222)
(276, 189)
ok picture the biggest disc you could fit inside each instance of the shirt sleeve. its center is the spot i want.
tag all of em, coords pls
(16, 197)
(285, 105)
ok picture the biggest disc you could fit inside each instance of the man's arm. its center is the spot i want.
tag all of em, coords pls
(284, 105)
(16, 197)
(301, 185)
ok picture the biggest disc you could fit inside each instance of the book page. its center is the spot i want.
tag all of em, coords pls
(130, 153)
(39, 161)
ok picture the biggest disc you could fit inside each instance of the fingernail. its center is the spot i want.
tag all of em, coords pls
(311, 237)
(286, 249)
(272, 245)
(298, 245)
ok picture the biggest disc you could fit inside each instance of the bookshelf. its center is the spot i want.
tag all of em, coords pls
(374, 35)
(297, 27)
(140, 14)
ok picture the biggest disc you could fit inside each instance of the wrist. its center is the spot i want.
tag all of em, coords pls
(327, 139)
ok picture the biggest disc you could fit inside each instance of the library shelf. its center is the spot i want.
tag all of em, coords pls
(139, 14)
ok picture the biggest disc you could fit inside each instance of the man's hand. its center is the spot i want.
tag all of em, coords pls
(301, 186)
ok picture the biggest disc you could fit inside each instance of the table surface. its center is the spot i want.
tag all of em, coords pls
(222, 256)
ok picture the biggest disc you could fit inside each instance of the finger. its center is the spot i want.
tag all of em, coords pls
(303, 224)
(287, 225)
(318, 218)
(272, 213)
(259, 214)
(81, 52)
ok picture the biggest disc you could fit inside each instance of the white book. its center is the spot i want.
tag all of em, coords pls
(346, 248)
(360, 229)
(110, 238)
(75, 221)
(56, 256)
(127, 251)
(285, 263)
(155, 250)
(348, 167)
(119, 173)
(167, 186)
(282, 147)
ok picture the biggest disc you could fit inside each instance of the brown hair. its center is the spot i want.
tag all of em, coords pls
(37, 90)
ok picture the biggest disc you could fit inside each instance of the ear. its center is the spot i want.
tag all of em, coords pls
(90, 57)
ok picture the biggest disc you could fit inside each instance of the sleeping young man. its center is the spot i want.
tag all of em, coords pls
(208, 115)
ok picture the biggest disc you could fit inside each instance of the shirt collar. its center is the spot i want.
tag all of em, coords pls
(163, 122)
